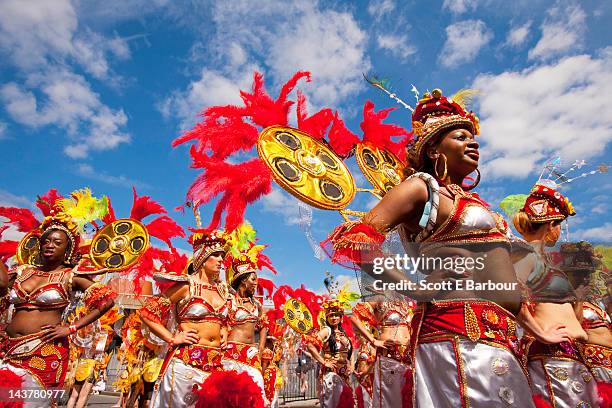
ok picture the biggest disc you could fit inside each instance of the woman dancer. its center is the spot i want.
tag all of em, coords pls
(200, 301)
(465, 354)
(246, 320)
(37, 345)
(557, 370)
(332, 348)
(392, 367)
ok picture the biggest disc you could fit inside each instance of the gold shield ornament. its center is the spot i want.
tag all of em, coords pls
(28, 250)
(306, 168)
(119, 245)
(297, 316)
(381, 167)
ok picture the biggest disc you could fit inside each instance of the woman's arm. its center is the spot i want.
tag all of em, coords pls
(365, 332)
(4, 280)
(153, 312)
(98, 300)
(556, 334)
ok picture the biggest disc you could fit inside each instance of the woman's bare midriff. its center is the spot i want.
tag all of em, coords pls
(243, 333)
(549, 315)
(396, 334)
(497, 268)
(208, 332)
(26, 322)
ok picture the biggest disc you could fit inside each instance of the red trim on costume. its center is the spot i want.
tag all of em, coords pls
(98, 295)
(596, 355)
(269, 376)
(346, 397)
(354, 242)
(365, 313)
(604, 391)
(540, 402)
(314, 340)
(228, 389)
(47, 362)
(157, 309)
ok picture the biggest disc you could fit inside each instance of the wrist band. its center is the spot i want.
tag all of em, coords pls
(72, 328)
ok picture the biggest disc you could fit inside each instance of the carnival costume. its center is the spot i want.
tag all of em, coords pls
(596, 356)
(392, 369)
(334, 388)
(44, 365)
(466, 353)
(366, 356)
(187, 366)
(557, 371)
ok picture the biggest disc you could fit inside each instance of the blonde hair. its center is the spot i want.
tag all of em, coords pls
(523, 224)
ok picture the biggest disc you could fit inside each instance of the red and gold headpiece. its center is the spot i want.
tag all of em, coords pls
(267, 355)
(435, 113)
(240, 265)
(545, 203)
(205, 243)
(333, 306)
(245, 256)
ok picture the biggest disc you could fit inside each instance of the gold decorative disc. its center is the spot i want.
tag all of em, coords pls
(119, 245)
(297, 316)
(381, 167)
(28, 250)
(306, 168)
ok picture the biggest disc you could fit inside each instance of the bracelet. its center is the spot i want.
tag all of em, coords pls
(72, 328)
(171, 341)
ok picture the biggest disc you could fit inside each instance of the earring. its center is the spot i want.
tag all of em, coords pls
(475, 183)
(443, 177)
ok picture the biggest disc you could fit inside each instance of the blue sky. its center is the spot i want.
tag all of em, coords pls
(92, 93)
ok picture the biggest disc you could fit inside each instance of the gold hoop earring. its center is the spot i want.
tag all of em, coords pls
(476, 182)
(443, 177)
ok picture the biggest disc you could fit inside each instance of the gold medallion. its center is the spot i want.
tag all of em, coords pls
(28, 250)
(119, 245)
(381, 167)
(306, 168)
(297, 316)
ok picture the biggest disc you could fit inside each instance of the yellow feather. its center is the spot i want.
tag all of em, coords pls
(464, 97)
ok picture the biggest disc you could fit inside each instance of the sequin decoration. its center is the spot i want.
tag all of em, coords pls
(507, 395)
(471, 322)
(500, 366)
(577, 387)
(37, 362)
(560, 374)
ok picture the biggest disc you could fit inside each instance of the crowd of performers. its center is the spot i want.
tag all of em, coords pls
(203, 337)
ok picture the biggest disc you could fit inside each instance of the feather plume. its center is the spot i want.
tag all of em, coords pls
(465, 97)
(83, 208)
(315, 125)
(144, 206)
(241, 238)
(513, 204)
(267, 285)
(381, 134)
(229, 389)
(110, 217)
(47, 203)
(341, 139)
(22, 218)
(238, 185)
(165, 228)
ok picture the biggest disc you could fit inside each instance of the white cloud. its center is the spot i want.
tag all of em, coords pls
(562, 31)
(66, 100)
(396, 45)
(463, 42)
(35, 33)
(283, 204)
(378, 9)
(212, 88)
(88, 171)
(2, 130)
(328, 43)
(602, 233)
(518, 35)
(534, 114)
(459, 6)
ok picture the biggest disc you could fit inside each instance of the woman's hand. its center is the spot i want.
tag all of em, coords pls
(379, 343)
(188, 337)
(556, 334)
(54, 332)
(330, 365)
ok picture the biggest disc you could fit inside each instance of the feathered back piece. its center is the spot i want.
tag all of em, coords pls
(83, 208)
(225, 130)
(513, 204)
(381, 134)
